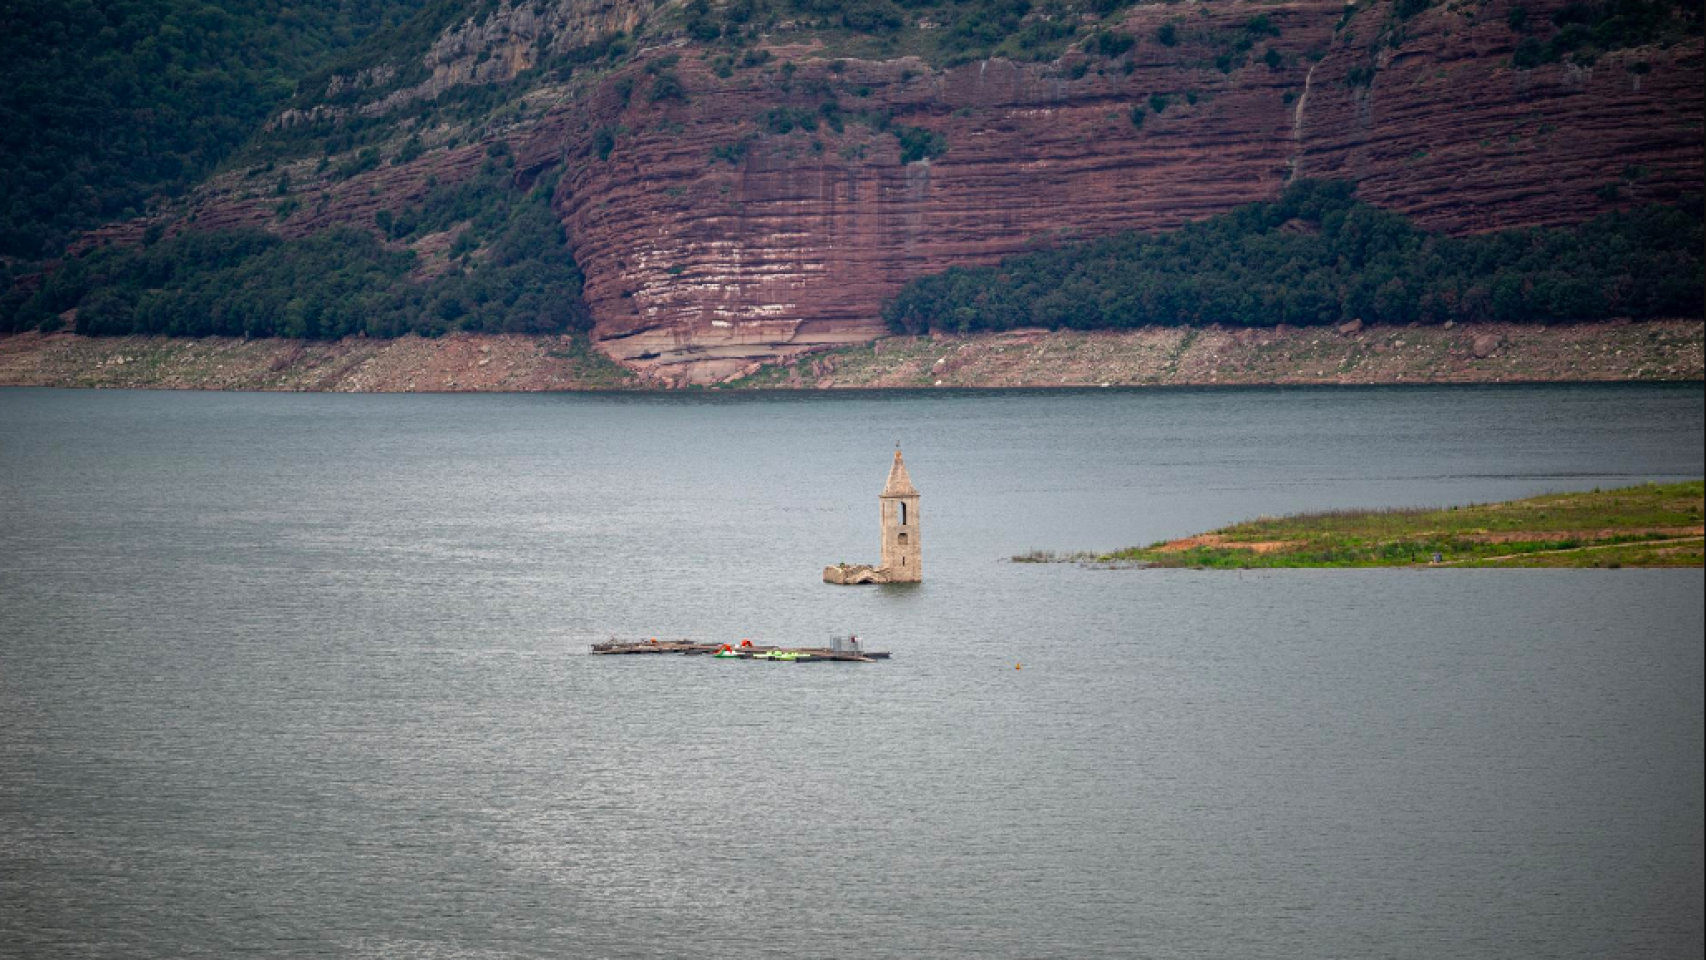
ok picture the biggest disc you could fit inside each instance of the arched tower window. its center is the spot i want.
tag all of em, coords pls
(903, 513)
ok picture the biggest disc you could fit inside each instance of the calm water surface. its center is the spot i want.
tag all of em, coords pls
(307, 676)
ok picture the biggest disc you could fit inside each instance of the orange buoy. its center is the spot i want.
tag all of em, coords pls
(1018, 666)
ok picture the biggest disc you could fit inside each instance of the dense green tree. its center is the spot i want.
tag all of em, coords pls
(1582, 31)
(340, 283)
(1317, 256)
(104, 104)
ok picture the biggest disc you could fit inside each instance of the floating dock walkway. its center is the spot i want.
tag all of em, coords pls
(746, 650)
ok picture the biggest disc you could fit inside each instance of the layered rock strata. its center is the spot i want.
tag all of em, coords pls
(698, 270)
(713, 242)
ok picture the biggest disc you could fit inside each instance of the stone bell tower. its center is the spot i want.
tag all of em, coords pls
(901, 557)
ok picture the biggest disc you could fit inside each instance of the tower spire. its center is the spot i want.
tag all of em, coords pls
(899, 485)
(902, 558)
(899, 500)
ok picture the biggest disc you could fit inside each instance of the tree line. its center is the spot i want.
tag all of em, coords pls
(105, 105)
(510, 270)
(1317, 256)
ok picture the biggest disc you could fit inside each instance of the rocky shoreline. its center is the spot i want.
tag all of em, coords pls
(1665, 350)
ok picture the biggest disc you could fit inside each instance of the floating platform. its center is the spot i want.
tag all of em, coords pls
(748, 652)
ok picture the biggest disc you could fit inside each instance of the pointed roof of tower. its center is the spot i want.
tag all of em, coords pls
(899, 485)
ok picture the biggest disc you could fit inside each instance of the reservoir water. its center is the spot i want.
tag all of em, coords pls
(307, 675)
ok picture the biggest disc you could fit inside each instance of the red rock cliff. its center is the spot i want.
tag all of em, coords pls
(711, 243)
(697, 268)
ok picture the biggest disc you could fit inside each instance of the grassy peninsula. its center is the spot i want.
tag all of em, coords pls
(1654, 525)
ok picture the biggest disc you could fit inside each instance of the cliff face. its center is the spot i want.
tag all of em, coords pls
(492, 50)
(697, 269)
(713, 241)
(1449, 133)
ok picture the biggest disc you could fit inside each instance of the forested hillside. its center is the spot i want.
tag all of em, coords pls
(705, 186)
(105, 105)
(340, 283)
(1317, 256)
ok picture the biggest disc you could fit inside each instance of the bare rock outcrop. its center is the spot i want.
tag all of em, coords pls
(499, 46)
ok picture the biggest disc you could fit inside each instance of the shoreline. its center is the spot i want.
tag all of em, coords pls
(1643, 526)
(1656, 351)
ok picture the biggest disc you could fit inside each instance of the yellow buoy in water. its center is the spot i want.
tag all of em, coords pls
(1018, 666)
